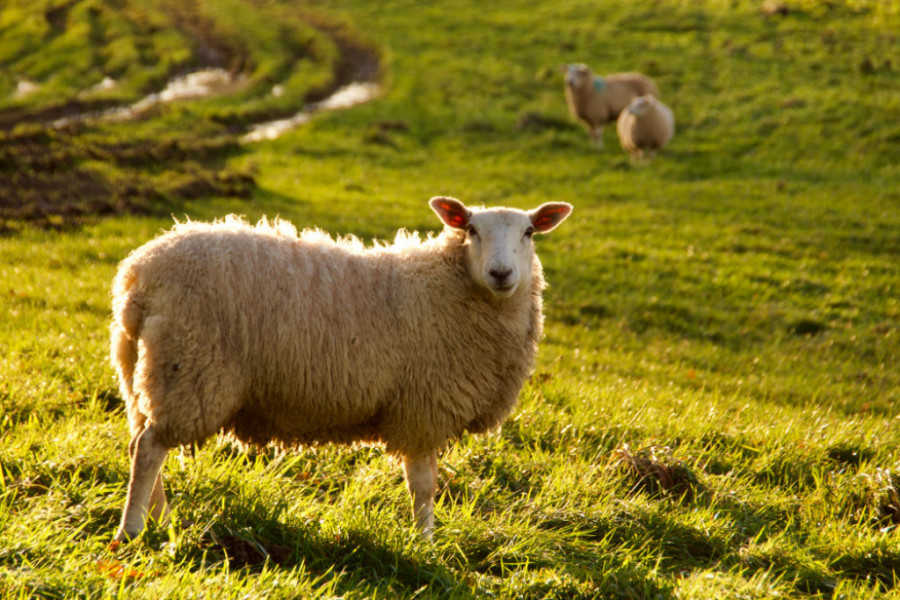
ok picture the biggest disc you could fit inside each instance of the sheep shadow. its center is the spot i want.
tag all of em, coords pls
(353, 559)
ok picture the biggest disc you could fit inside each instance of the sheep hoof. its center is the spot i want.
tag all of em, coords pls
(125, 536)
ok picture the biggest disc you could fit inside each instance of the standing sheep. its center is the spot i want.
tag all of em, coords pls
(279, 337)
(596, 101)
(645, 126)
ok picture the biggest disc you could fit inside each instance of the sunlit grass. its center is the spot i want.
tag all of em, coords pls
(713, 413)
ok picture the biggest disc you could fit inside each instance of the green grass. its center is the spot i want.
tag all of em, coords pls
(714, 410)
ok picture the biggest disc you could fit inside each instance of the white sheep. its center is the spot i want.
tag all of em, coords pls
(596, 101)
(296, 339)
(645, 126)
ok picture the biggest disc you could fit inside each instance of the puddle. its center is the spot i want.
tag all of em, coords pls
(345, 97)
(191, 86)
(212, 82)
(24, 88)
(108, 83)
(199, 84)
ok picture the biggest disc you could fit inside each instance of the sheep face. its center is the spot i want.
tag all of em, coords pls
(640, 105)
(499, 249)
(579, 76)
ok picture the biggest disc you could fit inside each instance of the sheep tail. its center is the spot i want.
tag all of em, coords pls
(127, 322)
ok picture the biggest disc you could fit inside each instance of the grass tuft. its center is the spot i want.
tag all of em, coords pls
(654, 470)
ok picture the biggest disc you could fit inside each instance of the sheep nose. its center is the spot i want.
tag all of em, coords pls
(500, 273)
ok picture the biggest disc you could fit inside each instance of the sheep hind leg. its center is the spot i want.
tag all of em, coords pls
(421, 480)
(158, 507)
(145, 483)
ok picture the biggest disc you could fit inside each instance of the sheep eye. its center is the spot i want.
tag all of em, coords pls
(529, 232)
(472, 232)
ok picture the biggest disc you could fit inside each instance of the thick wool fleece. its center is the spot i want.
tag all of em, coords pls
(596, 106)
(647, 130)
(294, 339)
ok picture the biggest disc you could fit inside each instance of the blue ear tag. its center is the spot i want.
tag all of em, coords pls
(599, 84)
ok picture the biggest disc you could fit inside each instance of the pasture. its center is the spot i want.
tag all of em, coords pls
(714, 412)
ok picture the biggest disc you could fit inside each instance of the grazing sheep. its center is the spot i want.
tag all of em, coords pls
(297, 339)
(645, 126)
(596, 101)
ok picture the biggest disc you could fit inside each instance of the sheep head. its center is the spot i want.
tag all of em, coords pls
(499, 249)
(640, 105)
(579, 76)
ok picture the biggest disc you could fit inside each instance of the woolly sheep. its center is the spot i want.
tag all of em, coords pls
(298, 339)
(645, 126)
(596, 101)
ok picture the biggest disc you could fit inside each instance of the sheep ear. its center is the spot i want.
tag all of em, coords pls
(547, 216)
(451, 211)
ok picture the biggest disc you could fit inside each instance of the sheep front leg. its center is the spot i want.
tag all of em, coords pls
(421, 479)
(148, 456)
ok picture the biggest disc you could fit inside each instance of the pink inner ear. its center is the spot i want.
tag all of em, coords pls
(456, 220)
(452, 215)
(549, 217)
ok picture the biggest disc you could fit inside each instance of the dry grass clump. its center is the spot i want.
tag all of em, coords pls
(885, 496)
(655, 471)
(871, 497)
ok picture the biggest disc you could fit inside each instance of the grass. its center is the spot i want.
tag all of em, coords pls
(714, 409)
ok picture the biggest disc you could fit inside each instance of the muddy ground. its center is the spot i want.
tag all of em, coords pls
(44, 179)
(49, 176)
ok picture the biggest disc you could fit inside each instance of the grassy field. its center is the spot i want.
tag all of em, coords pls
(715, 408)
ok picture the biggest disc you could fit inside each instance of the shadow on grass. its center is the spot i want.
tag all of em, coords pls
(354, 558)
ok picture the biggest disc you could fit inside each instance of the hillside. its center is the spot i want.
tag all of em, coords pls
(714, 411)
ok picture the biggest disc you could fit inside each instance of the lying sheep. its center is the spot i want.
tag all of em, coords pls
(296, 339)
(596, 101)
(645, 126)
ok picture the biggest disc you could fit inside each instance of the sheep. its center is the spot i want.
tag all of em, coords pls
(646, 125)
(286, 338)
(596, 101)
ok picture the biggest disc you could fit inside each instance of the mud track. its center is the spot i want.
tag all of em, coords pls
(44, 181)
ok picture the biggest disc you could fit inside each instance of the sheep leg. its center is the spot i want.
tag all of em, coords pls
(597, 136)
(148, 456)
(421, 479)
(159, 508)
